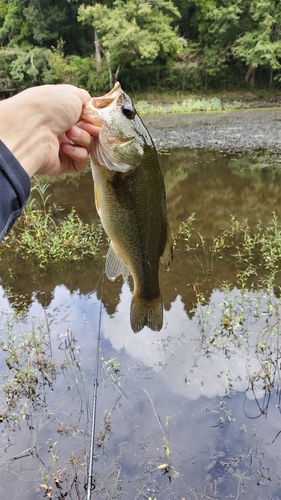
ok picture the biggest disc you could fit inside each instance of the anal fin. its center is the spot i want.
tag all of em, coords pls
(114, 265)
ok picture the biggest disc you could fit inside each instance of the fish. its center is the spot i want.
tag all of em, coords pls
(130, 199)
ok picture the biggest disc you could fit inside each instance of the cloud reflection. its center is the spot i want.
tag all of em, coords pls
(177, 354)
(181, 354)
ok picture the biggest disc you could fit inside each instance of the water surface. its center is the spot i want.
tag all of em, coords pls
(190, 412)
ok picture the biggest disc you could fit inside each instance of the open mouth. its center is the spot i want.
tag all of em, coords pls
(91, 110)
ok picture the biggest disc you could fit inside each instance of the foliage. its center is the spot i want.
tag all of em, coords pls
(186, 229)
(254, 251)
(134, 33)
(30, 368)
(42, 24)
(186, 106)
(38, 235)
(73, 69)
(68, 240)
(248, 246)
(234, 31)
(23, 68)
(7, 56)
(180, 44)
(261, 46)
(27, 68)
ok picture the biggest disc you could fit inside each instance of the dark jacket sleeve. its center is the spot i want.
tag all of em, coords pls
(14, 189)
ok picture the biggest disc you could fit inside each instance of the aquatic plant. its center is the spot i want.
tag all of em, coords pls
(186, 229)
(41, 236)
(253, 247)
(255, 251)
(41, 188)
(68, 240)
(30, 368)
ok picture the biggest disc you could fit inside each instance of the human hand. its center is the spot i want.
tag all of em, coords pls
(41, 128)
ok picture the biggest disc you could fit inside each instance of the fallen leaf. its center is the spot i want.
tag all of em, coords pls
(162, 466)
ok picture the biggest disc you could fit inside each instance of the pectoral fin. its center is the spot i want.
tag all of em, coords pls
(114, 265)
(122, 192)
(167, 257)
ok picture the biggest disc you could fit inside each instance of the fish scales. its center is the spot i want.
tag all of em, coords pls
(131, 202)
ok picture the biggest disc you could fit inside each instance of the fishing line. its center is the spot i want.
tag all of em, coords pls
(90, 485)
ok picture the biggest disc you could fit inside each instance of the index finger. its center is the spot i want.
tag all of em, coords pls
(91, 129)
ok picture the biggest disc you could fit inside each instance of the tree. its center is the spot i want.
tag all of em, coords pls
(15, 28)
(239, 30)
(43, 23)
(261, 46)
(133, 33)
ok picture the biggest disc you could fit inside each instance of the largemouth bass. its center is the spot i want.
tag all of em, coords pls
(131, 202)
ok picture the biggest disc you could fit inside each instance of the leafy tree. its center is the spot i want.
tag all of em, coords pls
(72, 69)
(42, 23)
(246, 31)
(261, 45)
(134, 34)
(7, 85)
(27, 68)
(14, 27)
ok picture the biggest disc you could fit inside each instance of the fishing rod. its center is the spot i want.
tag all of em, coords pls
(90, 484)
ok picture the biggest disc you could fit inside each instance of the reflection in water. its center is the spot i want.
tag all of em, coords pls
(212, 373)
(213, 185)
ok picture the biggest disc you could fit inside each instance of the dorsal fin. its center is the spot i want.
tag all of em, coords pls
(114, 265)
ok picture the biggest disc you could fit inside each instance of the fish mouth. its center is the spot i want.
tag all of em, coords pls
(91, 111)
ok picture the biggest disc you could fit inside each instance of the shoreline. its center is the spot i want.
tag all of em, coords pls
(231, 131)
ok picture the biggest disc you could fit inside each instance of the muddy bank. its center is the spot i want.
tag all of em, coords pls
(237, 130)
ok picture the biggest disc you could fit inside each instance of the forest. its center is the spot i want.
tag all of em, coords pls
(185, 45)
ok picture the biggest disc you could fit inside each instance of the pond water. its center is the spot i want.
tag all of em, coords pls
(191, 412)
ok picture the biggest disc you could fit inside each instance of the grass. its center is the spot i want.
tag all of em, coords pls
(254, 251)
(41, 236)
(249, 312)
(30, 368)
(31, 372)
(152, 102)
(252, 248)
(163, 101)
(190, 105)
(166, 466)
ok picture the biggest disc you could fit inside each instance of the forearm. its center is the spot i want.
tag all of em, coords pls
(14, 189)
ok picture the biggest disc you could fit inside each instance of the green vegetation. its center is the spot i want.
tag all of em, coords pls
(39, 235)
(30, 368)
(187, 106)
(246, 317)
(184, 45)
(243, 319)
(254, 252)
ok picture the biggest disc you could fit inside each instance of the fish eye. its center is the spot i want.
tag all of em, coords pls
(128, 111)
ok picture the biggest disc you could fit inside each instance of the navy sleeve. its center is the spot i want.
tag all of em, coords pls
(14, 189)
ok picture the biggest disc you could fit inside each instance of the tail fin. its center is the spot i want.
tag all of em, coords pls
(146, 313)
